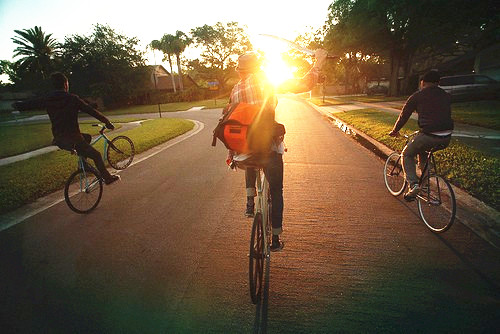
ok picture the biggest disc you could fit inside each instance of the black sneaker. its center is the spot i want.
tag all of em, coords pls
(277, 244)
(111, 179)
(249, 212)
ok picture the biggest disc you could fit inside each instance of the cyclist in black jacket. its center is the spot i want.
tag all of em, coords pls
(62, 108)
(433, 106)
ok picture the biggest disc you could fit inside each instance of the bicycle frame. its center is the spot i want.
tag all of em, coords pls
(427, 172)
(87, 186)
(262, 206)
(106, 141)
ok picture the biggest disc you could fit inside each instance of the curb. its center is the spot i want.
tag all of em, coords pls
(471, 212)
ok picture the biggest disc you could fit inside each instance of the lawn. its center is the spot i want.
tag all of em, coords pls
(371, 98)
(319, 101)
(24, 181)
(168, 107)
(474, 171)
(481, 113)
(17, 138)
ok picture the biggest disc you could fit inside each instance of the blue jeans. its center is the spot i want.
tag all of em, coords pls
(274, 175)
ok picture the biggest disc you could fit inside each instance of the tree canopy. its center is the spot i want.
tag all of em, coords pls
(221, 45)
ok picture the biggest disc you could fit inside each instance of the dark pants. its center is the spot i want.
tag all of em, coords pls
(418, 147)
(274, 175)
(86, 150)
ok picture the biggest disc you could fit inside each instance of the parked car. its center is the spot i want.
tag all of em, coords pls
(470, 87)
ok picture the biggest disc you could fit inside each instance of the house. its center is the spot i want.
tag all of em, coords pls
(161, 79)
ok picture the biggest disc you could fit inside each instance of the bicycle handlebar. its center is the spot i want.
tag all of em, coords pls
(103, 127)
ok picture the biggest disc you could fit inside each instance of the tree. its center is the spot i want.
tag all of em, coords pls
(167, 46)
(180, 42)
(105, 64)
(402, 30)
(36, 49)
(221, 45)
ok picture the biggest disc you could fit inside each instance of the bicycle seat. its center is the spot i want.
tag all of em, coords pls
(255, 161)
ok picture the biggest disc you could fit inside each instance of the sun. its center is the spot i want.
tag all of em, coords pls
(274, 66)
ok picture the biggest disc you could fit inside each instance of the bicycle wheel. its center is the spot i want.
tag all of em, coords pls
(83, 191)
(256, 258)
(436, 204)
(394, 175)
(120, 152)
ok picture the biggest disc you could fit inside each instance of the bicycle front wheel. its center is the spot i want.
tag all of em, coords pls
(394, 175)
(436, 204)
(83, 191)
(256, 258)
(120, 152)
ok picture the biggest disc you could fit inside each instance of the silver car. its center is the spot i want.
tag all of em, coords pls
(470, 87)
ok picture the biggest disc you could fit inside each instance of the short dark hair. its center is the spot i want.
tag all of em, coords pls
(58, 80)
(431, 76)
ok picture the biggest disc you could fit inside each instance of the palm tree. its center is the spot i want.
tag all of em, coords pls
(166, 45)
(37, 50)
(181, 41)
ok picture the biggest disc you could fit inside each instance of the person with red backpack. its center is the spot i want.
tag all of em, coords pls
(264, 134)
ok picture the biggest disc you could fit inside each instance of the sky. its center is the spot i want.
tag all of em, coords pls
(148, 20)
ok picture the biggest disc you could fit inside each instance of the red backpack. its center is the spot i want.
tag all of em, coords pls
(235, 129)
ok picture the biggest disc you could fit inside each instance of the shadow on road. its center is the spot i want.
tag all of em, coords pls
(260, 324)
(474, 252)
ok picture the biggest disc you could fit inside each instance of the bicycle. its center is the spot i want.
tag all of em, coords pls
(83, 189)
(436, 199)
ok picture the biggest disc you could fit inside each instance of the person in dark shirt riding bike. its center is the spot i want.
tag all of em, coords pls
(433, 106)
(62, 108)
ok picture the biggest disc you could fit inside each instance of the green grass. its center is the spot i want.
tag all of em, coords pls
(24, 181)
(327, 101)
(372, 98)
(481, 113)
(17, 138)
(474, 171)
(168, 107)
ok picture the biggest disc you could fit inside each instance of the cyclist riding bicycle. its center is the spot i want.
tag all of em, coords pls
(254, 88)
(62, 108)
(433, 106)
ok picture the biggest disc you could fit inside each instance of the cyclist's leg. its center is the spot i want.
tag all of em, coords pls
(84, 149)
(274, 175)
(250, 179)
(409, 153)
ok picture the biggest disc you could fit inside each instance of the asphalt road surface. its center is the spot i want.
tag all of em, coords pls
(166, 250)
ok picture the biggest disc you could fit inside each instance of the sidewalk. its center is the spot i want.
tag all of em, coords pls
(473, 213)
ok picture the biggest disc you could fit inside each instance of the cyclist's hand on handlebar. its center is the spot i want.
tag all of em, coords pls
(110, 126)
(394, 133)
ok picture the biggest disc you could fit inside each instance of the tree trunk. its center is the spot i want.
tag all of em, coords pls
(181, 82)
(393, 81)
(172, 73)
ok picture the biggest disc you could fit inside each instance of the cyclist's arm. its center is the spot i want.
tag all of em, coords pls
(33, 104)
(409, 107)
(307, 82)
(83, 106)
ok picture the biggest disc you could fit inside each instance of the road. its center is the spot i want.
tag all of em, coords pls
(166, 250)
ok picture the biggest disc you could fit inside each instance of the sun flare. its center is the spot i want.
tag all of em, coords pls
(275, 67)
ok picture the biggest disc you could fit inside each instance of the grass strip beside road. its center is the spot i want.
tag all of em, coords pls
(25, 181)
(319, 101)
(168, 107)
(467, 168)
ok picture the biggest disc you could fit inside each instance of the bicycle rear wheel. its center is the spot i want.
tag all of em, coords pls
(83, 191)
(120, 152)
(436, 204)
(394, 175)
(256, 258)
